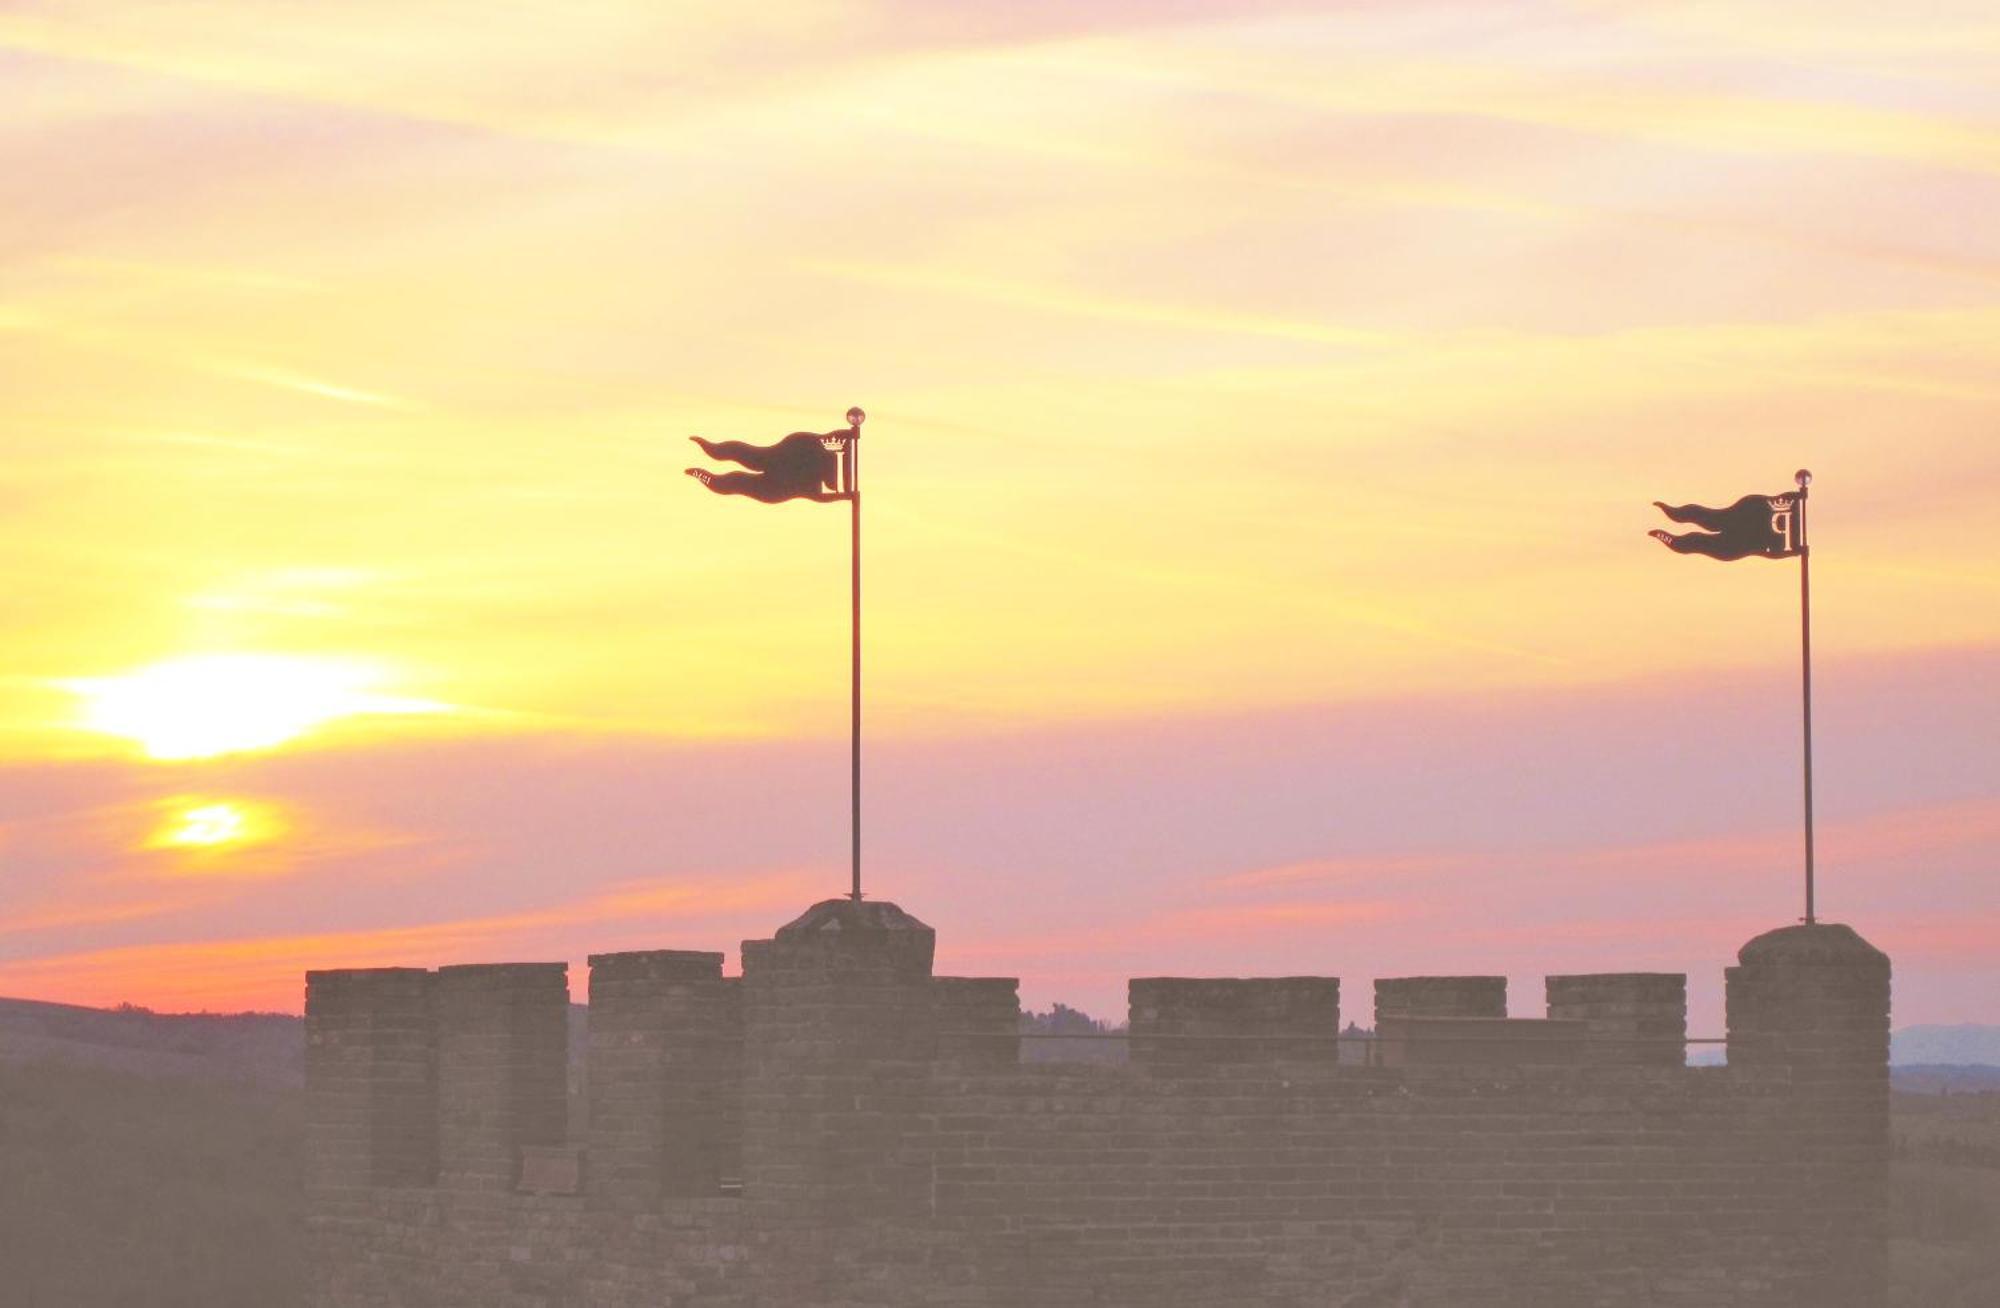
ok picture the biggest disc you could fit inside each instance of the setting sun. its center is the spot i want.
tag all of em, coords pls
(201, 825)
(211, 824)
(206, 705)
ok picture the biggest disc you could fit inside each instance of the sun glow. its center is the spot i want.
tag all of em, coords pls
(205, 705)
(203, 825)
(211, 824)
(207, 825)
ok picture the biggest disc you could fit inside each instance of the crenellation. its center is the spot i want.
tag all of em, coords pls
(1633, 1017)
(1184, 1020)
(840, 1033)
(1808, 1012)
(896, 1153)
(371, 1078)
(503, 1069)
(978, 1018)
(1440, 996)
(665, 1060)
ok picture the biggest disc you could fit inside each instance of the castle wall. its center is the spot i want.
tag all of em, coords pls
(893, 1158)
(1531, 1186)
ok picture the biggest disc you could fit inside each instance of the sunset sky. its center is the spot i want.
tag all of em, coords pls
(1266, 401)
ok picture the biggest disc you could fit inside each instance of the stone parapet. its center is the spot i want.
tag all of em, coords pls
(371, 1078)
(666, 1065)
(503, 1069)
(840, 1031)
(1440, 996)
(1809, 1028)
(978, 1018)
(1191, 1020)
(1632, 1017)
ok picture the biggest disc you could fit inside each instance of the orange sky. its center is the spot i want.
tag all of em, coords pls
(1276, 387)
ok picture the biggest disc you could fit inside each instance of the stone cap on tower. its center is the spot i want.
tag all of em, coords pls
(870, 931)
(1821, 942)
(850, 915)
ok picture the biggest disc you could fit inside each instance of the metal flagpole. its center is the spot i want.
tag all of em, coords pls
(855, 417)
(1804, 479)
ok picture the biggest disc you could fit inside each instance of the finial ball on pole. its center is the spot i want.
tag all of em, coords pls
(1803, 476)
(855, 417)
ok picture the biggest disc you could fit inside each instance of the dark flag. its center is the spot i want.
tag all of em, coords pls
(1763, 525)
(803, 466)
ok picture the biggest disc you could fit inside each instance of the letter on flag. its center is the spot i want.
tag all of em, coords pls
(1766, 526)
(803, 466)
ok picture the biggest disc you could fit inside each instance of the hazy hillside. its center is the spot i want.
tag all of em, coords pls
(1945, 1078)
(124, 1191)
(265, 1049)
(1963, 1044)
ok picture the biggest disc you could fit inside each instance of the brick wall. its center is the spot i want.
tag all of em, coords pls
(896, 1154)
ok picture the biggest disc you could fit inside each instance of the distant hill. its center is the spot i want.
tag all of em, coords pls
(1965, 1044)
(253, 1049)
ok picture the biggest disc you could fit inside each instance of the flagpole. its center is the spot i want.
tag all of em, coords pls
(855, 417)
(1804, 479)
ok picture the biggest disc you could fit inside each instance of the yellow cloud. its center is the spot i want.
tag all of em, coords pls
(200, 706)
(1056, 299)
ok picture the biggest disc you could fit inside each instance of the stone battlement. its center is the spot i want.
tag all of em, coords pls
(839, 1126)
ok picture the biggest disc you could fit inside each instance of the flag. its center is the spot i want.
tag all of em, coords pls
(1767, 526)
(803, 466)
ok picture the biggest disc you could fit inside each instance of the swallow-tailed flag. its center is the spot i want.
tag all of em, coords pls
(1766, 526)
(805, 465)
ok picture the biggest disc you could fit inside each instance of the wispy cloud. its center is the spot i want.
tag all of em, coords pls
(267, 971)
(293, 381)
(1055, 299)
(1878, 840)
